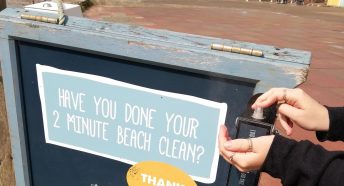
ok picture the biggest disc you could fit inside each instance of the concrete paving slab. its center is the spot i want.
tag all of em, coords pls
(317, 29)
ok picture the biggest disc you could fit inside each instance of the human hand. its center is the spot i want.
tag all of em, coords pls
(244, 154)
(298, 108)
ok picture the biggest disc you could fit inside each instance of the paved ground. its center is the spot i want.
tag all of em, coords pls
(317, 29)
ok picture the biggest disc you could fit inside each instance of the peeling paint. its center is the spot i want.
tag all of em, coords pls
(155, 46)
(32, 25)
(300, 75)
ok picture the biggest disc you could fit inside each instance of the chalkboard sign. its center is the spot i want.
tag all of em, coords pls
(52, 77)
(93, 98)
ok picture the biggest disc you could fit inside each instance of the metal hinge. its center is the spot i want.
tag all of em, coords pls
(245, 51)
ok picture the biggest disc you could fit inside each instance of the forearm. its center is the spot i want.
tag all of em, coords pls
(303, 163)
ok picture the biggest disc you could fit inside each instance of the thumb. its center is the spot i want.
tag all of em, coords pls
(286, 124)
(237, 145)
(289, 111)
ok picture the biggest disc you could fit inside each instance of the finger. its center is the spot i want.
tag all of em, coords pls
(224, 132)
(245, 161)
(261, 99)
(228, 156)
(266, 103)
(285, 124)
(291, 112)
(223, 137)
(271, 97)
(238, 145)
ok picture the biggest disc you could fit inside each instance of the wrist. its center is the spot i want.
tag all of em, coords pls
(325, 119)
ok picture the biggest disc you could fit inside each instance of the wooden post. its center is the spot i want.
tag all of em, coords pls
(2, 4)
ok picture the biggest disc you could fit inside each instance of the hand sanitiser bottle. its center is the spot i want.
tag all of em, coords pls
(253, 123)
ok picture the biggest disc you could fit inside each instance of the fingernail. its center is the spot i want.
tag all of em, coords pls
(227, 144)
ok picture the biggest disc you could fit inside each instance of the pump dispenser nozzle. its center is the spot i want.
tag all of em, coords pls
(258, 113)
